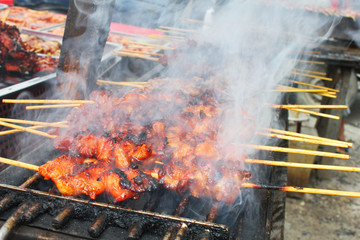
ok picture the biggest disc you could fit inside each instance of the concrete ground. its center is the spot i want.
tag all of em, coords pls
(323, 217)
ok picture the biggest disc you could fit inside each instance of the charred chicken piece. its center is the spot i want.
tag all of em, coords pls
(74, 176)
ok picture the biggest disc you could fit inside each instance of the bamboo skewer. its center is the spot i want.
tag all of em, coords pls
(156, 46)
(313, 85)
(244, 185)
(6, 15)
(135, 55)
(144, 53)
(281, 88)
(299, 139)
(298, 151)
(303, 165)
(179, 29)
(45, 101)
(17, 130)
(34, 122)
(19, 164)
(27, 129)
(312, 76)
(171, 31)
(128, 84)
(52, 106)
(311, 106)
(315, 113)
(303, 190)
(312, 72)
(289, 133)
(311, 62)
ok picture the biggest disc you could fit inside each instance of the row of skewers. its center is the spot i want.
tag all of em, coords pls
(163, 171)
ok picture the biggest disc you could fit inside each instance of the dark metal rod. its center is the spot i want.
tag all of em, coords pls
(12, 221)
(219, 230)
(33, 212)
(137, 229)
(98, 226)
(182, 231)
(178, 212)
(10, 199)
(63, 217)
(211, 218)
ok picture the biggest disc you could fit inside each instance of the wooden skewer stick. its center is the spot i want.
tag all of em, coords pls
(281, 88)
(315, 113)
(303, 165)
(299, 139)
(244, 185)
(156, 46)
(11, 120)
(135, 55)
(179, 29)
(128, 84)
(45, 101)
(313, 72)
(311, 62)
(298, 151)
(315, 86)
(192, 20)
(311, 106)
(33, 127)
(19, 164)
(27, 129)
(145, 53)
(312, 76)
(302, 135)
(303, 190)
(52, 106)
(6, 15)
(171, 32)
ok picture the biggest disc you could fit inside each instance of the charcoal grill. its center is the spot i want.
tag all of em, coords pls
(31, 208)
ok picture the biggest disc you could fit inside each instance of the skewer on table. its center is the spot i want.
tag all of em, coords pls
(6, 15)
(315, 113)
(53, 106)
(128, 84)
(135, 55)
(302, 135)
(297, 151)
(27, 129)
(179, 29)
(156, 46)
(303, 165)
(45, 101)
(144, 53)
(306, 140)
(172, 32)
